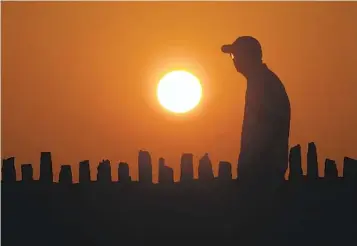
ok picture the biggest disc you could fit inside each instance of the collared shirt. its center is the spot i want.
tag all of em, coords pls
(266, 126)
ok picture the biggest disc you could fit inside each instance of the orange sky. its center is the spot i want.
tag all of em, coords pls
(79, 79)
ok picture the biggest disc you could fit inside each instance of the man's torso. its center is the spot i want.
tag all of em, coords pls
(267, 110)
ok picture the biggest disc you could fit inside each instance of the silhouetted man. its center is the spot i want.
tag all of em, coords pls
(263, 157)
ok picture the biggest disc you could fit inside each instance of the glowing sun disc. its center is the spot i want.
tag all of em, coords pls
(179, 91)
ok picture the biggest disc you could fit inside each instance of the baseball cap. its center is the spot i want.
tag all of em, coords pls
(244, 44)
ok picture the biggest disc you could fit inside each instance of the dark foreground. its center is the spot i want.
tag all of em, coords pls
(311, 213)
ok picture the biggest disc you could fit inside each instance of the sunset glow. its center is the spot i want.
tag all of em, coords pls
(179, 91)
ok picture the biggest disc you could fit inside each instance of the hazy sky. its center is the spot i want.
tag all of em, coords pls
(79, 79)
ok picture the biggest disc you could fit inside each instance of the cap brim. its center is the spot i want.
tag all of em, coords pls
(227, 48)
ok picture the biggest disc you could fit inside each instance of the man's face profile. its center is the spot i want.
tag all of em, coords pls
(244, 61)
(237, 61)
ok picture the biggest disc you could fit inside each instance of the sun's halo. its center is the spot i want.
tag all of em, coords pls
(179, 91)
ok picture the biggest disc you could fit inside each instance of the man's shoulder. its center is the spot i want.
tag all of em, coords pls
(276, 95)
(273, 82)
(272, 76)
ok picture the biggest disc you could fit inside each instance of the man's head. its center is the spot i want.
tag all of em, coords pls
(246, 53)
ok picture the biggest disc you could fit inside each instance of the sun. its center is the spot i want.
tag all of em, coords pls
(179, 91)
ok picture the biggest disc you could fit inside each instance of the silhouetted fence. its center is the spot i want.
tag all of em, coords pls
(224, 171)
(166, 174)
(123, 172)
(295, 173)
(27, 172)
(330, 170)
(84, 171)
